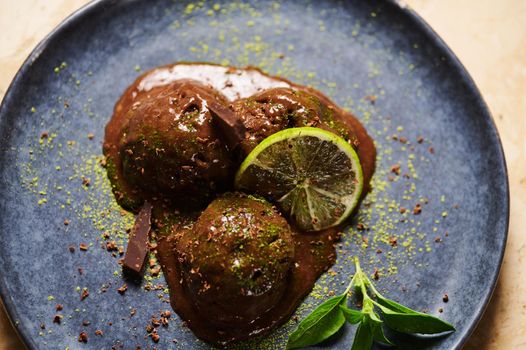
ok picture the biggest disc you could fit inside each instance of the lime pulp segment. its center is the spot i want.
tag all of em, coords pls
(313, 175)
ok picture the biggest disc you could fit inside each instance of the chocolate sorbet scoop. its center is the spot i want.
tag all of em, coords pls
(161, 144)
(236, 259)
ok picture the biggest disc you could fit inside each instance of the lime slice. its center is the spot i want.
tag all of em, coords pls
(313, 175)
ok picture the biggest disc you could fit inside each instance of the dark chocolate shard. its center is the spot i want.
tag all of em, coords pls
(229, 124)
(137, 249)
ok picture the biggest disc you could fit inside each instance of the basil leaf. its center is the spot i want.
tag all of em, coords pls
(352, 316)
(414, 322)
(375, 324)
(363, 339)
(393, 305)
(320, 324)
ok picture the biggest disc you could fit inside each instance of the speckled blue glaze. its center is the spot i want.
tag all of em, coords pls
(109, 38)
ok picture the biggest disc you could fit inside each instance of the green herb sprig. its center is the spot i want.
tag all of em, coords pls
(331, 315)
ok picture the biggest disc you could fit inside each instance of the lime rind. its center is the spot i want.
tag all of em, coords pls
(335, 193)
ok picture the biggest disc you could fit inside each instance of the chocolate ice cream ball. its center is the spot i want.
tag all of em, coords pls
(162, 144)
(236, 259)
(272, 110)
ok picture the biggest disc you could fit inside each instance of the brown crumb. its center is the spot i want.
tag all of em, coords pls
(431, 150)
(376, 274)
(42, 326)
(445, 298)
(438, 239)
(440, 310)
(133, 311)
(156, 270)
(59, 307)
(122, 289)
(360, 226)
(66, 222)
(403, 139)
(83, 337)
(152, 262)
(86, 323)
(111, 246)
(402, 210)
(91, 136)
(395, 169)
(85, 181)
(166, 313)
(393, 241)
(99, 332)
(155, 322)
(155, 337)
(83, 246)
(57, 319)
(419, 139)
(85, 294)
(371, 98)
(378, 251)
(417, 209)
(44, 135)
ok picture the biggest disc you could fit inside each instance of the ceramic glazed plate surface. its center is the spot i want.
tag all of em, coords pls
(376, 58)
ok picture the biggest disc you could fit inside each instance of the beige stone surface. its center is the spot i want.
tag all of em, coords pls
(489, 37)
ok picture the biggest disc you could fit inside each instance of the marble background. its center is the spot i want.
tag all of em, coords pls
(488, 36)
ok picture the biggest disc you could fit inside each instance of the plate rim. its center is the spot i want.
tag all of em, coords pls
(92, 7)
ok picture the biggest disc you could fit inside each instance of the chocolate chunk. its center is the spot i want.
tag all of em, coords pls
(122, 290)
(137, 249)
(85, 294)
(83, 337)
(229, 124)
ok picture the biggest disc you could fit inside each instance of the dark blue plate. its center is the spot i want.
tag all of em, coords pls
(377, 58)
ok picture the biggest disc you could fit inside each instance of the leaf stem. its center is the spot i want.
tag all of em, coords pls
(365, 279)
(356, 275)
